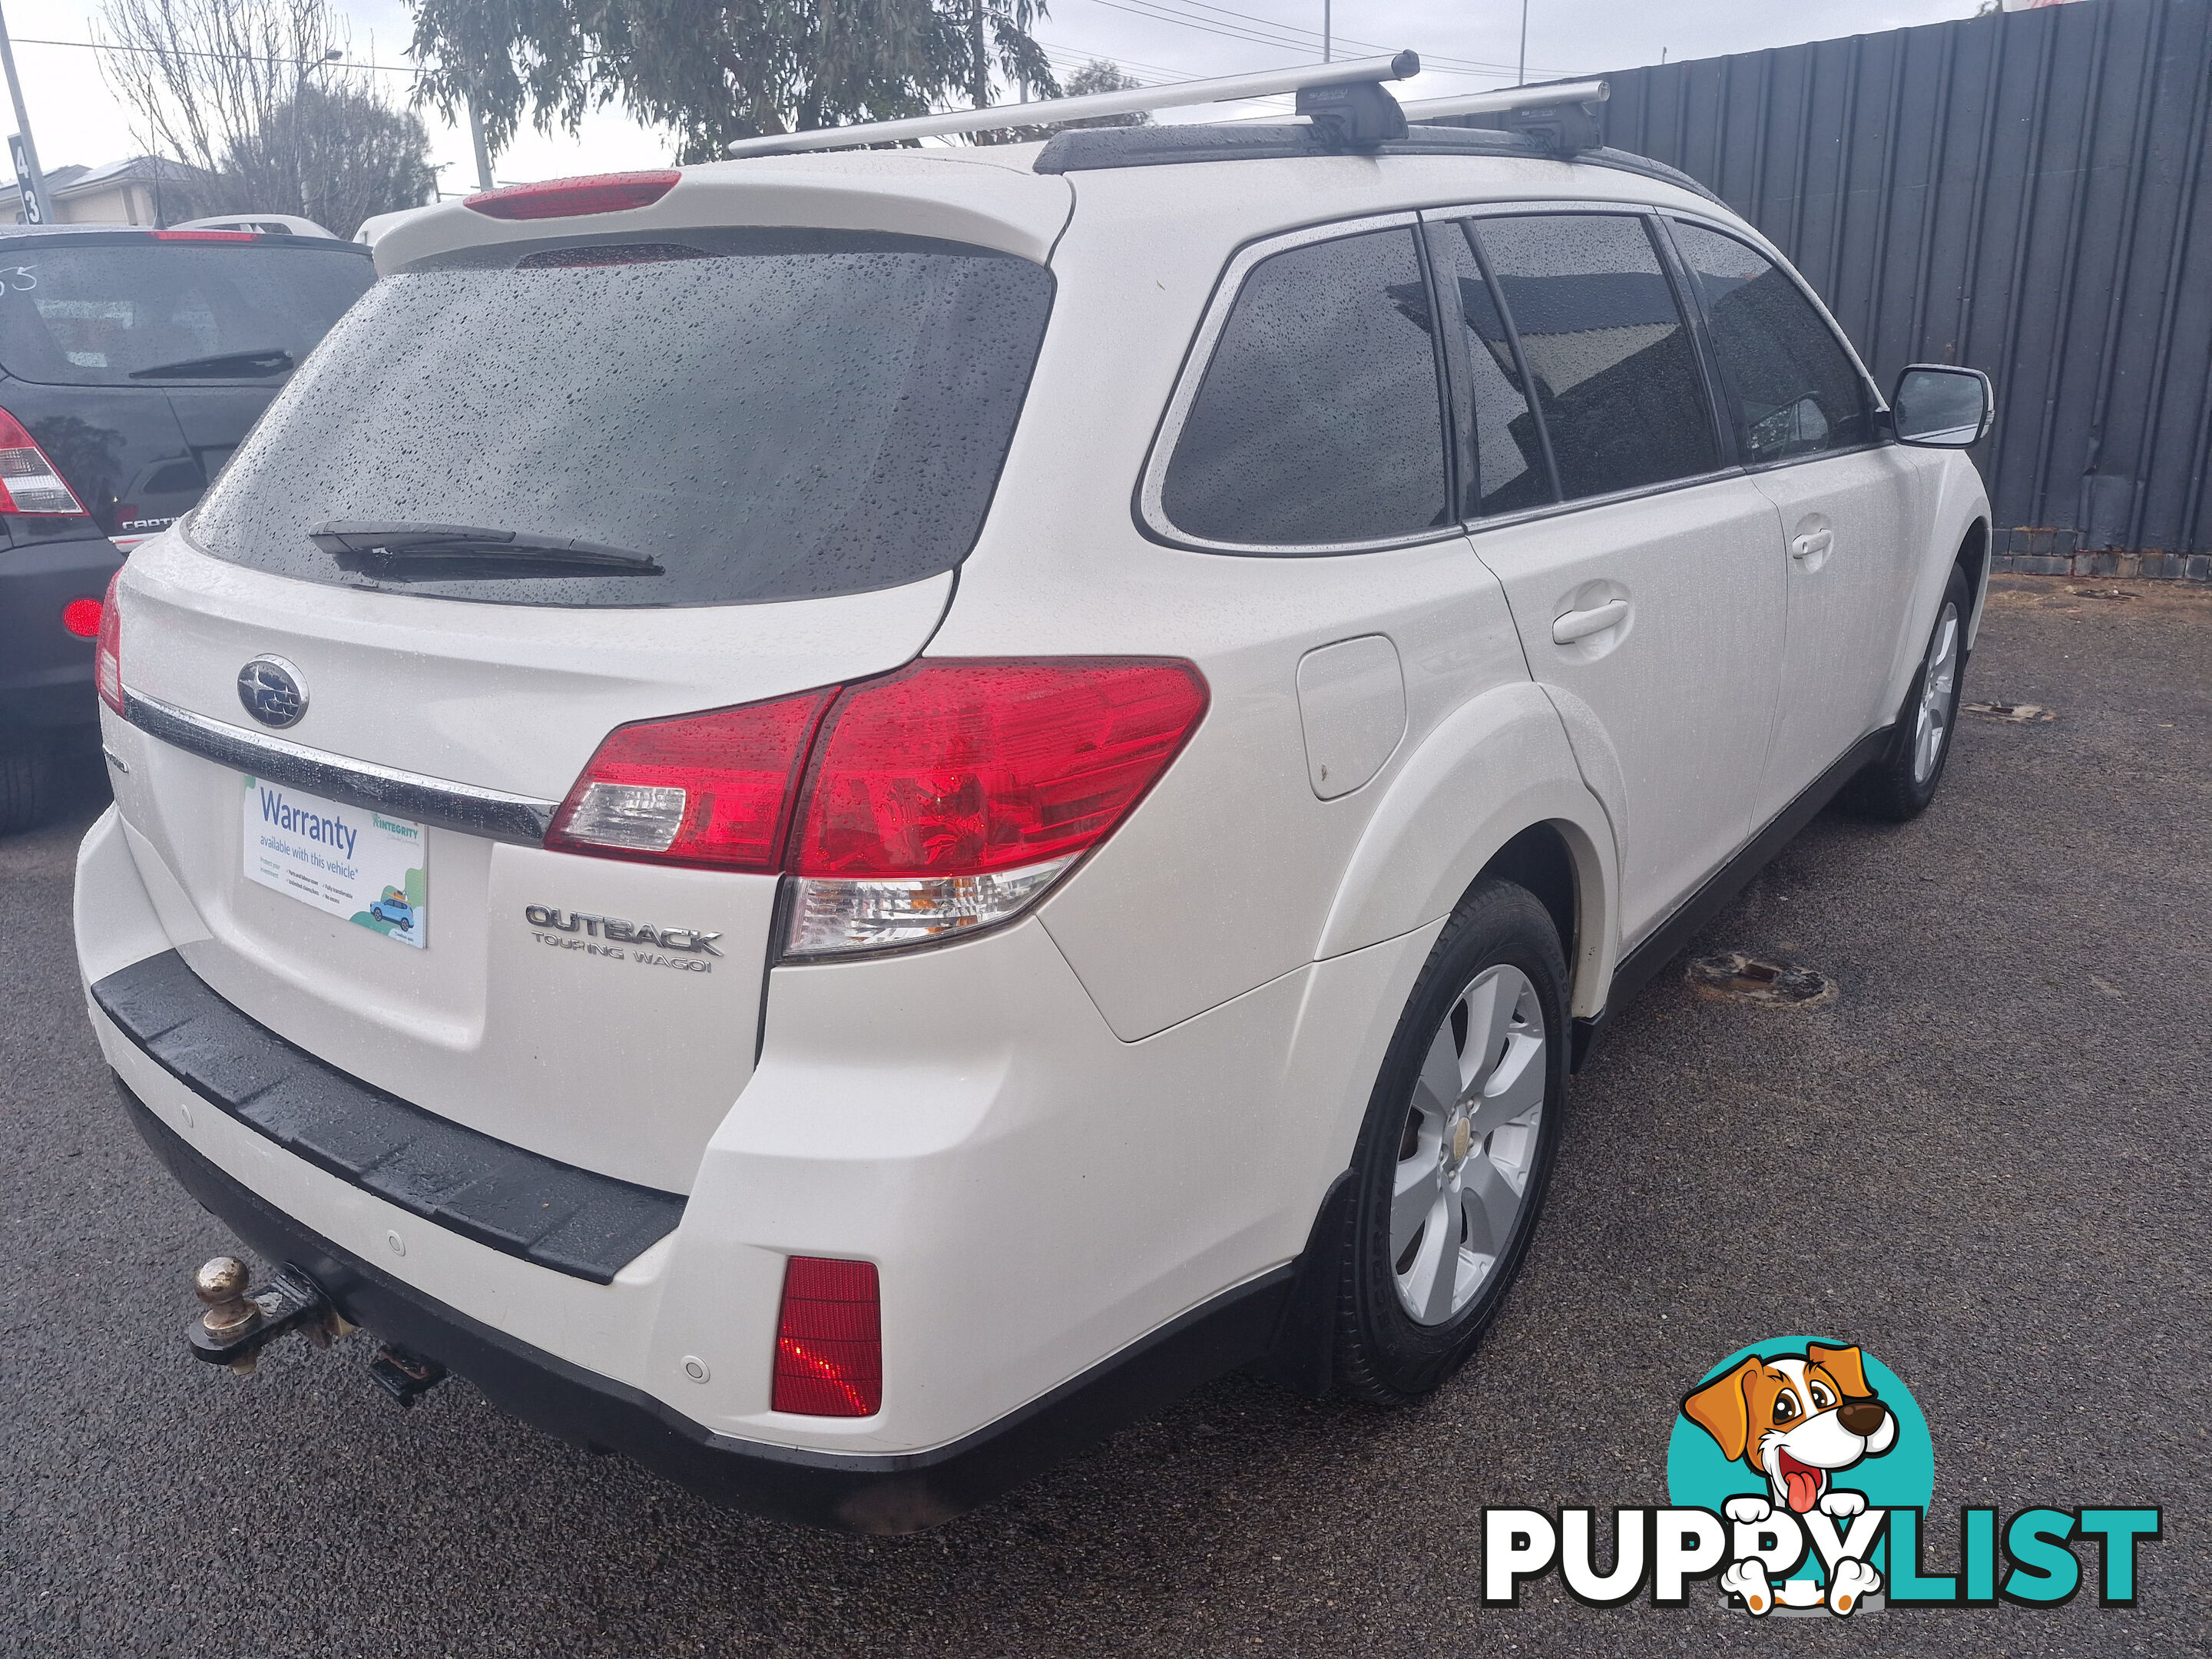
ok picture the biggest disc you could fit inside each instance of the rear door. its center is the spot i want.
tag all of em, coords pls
(1639, 566)
(1849, 504)
(751, 429)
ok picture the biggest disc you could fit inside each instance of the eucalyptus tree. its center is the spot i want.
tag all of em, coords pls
(711, 71)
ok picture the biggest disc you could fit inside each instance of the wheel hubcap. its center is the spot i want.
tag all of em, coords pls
(1933, 722)
(1468, 1144)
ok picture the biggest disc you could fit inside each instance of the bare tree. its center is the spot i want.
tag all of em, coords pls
(246, 95)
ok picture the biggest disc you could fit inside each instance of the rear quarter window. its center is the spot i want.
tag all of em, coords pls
(1318, 422)
(764, 414)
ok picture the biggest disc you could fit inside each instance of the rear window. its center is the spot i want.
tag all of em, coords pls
(120, 313)
(763, 415)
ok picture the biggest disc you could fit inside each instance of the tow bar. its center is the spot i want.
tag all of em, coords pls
(240, 1321)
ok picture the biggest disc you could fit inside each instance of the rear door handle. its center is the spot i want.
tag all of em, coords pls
(1812, 542)
(1580, 625)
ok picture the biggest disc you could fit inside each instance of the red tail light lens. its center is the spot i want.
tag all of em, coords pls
(107, 655)
(564, 199)
(711, 789)
(941, 799)
(963, 767)
(204, 236)
(82, 617)
(829, 1339)
(28, 482)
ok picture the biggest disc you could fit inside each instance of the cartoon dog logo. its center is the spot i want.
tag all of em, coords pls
(1796, 1420)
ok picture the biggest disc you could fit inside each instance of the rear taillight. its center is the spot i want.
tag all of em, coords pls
(829, 1339)
(938, 799)
(82, 617)
(28, 482)
(711, 789)
(107, 655)
(564, 198)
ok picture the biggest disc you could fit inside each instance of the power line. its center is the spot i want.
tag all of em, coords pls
(220, 57)
(1301, 38)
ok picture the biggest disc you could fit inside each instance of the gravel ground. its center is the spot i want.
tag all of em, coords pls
(1984, 1161)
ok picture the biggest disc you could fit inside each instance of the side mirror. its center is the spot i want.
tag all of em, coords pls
(1940, 407)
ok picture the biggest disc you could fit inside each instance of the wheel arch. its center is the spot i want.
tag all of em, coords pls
(1493, 789)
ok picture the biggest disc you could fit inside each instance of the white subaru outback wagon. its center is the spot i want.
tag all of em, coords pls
(835, 819)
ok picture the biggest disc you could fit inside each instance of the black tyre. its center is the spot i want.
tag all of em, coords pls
(1904, 781)
(1457, 1149)
(27, 785)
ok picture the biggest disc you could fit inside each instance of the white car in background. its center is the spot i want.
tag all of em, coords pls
(835, 819)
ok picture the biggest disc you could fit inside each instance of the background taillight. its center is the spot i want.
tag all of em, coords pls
(28, 482)
(829, 1339)
(107, 655)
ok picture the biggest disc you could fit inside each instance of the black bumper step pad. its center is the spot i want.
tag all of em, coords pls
(520, 1202)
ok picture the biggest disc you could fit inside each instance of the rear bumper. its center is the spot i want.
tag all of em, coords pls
(869, 1494)
(46, 671)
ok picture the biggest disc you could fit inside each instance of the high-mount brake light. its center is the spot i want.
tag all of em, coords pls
(107, 655)
(939, 799)
(829, 1339)
(28, 482)
(205, 235)
(564, 198)
(712, 789)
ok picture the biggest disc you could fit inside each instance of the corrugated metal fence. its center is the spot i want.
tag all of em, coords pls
(2026, 193)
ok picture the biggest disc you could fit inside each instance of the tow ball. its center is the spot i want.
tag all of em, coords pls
(239, 1320)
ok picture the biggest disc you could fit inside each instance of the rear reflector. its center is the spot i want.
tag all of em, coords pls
(28, 482)
(829, 1339)
(712, 789)
(938, 799)
(82, 617)
(107, 655)
(564, 199)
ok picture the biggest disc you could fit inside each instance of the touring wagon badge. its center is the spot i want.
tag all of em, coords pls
(272, 691)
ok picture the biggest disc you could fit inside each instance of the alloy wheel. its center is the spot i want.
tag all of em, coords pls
(1469, 1145)
(1932, 723)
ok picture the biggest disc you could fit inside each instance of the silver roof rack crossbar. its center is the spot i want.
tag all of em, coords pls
(1506, 99)
(1053, 111)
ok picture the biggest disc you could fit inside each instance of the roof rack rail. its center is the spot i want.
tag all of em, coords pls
(1562, 117)
(1054, 111)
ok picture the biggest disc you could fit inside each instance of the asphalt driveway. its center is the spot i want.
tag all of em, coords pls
(1984, 1160)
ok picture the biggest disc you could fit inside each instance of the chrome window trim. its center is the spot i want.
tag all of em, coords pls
(491, 813)
(1151, 515)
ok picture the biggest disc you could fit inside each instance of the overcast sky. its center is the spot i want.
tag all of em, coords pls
(1468, 45)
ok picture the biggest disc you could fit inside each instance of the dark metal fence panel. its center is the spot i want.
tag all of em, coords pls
(2027, 193)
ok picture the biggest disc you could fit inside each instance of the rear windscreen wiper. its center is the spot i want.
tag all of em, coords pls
(223, 365)
(402, 550)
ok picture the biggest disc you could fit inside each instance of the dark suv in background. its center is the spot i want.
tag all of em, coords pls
(131, 363)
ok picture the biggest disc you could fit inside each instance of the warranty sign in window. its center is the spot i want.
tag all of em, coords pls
(360, 864)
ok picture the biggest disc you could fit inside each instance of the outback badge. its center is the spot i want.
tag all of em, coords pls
(620, 932)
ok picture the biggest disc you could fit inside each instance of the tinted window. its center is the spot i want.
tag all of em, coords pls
(1318, 421)
(769, 415)
(1506, 471)
(1617, 378)
(1793, 389)
(99, 313)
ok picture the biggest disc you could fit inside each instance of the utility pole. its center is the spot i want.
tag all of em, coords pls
(1522, 77)
(1327, 50)
(28, 178)
(981, 90)
(483, 150)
